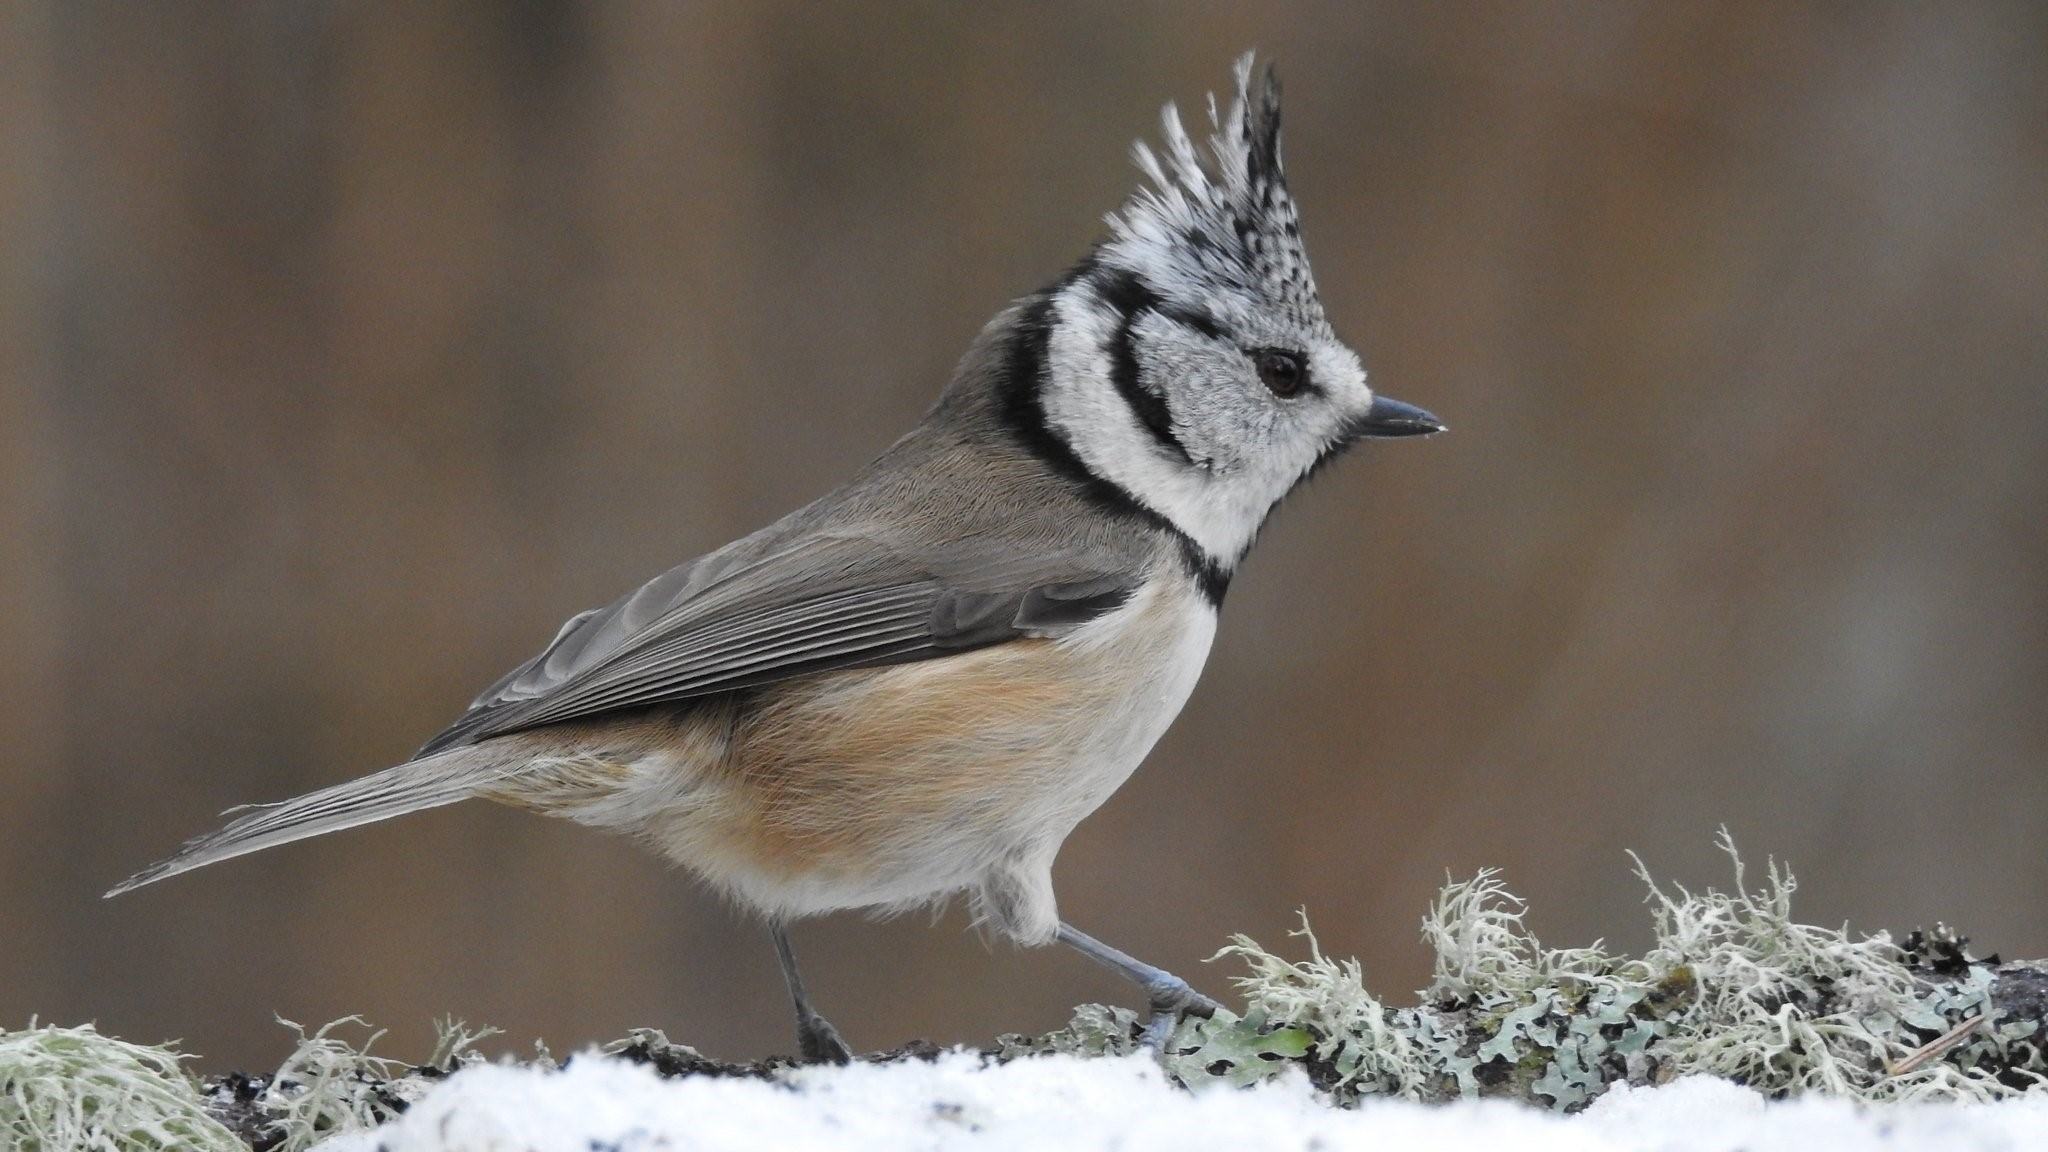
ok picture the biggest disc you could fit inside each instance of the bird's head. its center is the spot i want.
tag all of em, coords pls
(1187, 360)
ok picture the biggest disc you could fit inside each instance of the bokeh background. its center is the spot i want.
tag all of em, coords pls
(346, 349)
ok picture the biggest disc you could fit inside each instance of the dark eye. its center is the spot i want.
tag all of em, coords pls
(1285, 373)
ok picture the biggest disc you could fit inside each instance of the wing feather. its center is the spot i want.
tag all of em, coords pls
(727, 622)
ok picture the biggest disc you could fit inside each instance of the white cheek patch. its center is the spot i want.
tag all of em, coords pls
(1219, 510)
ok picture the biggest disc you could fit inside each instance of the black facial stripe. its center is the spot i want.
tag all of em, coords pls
(1130, 298)
(1022, 405)
(1148, 406)
(1127, 295)
(1189, 318)
(1124, 291)
(1021, 391)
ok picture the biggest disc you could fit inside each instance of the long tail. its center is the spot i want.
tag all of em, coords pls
(429, 782)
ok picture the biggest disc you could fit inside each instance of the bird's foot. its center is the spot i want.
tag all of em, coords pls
(818, 1042)
(1169, 996)
(1171, 999)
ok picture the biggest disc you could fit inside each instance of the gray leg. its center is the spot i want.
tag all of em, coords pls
(816, 1039)
(1167, 995)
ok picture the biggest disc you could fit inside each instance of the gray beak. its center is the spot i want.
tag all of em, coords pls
(1389, 418)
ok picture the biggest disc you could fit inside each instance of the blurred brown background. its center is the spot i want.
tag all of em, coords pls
(346, 349)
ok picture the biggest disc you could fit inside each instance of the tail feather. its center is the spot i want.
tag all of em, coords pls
(429, 782)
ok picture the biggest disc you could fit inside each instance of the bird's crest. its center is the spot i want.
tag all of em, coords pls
(1221, 224)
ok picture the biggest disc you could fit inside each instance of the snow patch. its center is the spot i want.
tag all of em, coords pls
(1073, 1104)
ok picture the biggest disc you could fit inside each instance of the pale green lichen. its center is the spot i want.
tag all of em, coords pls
(74, 1090)
(330, 1084)
(1226, 1050)
(1734, 987)
(1482, 947)
(1369, 1047)
(1094, 1030)
(1237, 1051)
(1785, 1006)
(455, 1046)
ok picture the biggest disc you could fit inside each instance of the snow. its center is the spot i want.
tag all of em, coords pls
(1078, 1105)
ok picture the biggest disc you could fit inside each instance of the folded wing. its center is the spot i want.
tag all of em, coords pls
(740, 618)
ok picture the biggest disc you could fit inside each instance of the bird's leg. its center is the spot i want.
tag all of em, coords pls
(816, 1039)
(1169, 996)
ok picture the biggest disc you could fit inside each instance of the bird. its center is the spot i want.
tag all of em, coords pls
(914, 688)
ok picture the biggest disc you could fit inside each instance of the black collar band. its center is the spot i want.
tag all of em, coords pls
(1021, 398)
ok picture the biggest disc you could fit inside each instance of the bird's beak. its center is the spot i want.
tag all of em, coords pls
(1388, 418)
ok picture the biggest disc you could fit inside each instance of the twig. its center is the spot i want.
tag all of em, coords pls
(1940, 1044)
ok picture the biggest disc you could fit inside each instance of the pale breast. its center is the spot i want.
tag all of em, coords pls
(892, 785)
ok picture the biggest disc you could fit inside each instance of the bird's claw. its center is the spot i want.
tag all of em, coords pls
(819, 1043)
(1172, 999)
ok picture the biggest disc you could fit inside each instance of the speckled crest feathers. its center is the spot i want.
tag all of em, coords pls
(1221, 224)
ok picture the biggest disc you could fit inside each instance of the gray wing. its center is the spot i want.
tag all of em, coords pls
(823, 602)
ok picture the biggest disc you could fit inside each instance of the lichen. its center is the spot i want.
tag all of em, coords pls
(1789, 1007)
(1366, 1046)
(1483, 949)
(1733, 987)
(329, 1085)
(74, 1090)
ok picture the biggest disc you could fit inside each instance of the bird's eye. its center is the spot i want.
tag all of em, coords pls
(1283, 372)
